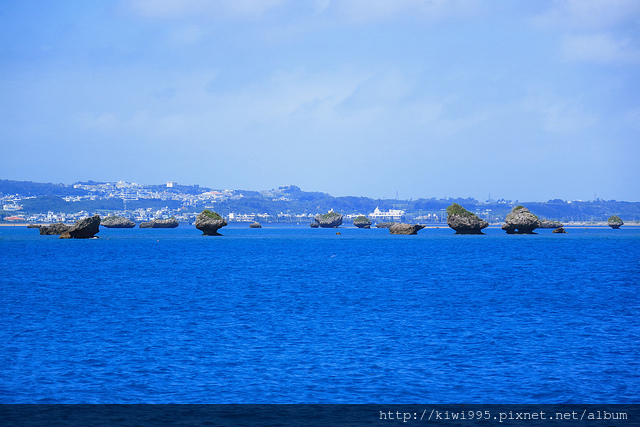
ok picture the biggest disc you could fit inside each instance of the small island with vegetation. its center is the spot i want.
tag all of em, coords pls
(521, 221)
(463, 221)
(329, 220)
(362, 221)
(615, 222)
(209, 223)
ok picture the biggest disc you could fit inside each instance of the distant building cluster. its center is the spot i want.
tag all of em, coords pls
(125, 191)
(131, 191)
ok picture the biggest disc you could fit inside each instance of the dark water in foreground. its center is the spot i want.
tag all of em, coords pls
(295, 315)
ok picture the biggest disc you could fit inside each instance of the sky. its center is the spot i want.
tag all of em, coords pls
(516, 99)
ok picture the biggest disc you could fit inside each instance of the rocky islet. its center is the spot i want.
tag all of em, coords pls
(615, 222)
(409, 229)
(463, 221)
(329, 220)
(115, 221)
(362, 221)
(520, 221)
(209, 223)
(161, 223)
(54, 229)
(85, 228)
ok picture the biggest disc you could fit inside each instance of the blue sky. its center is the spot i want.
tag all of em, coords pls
(527, 100)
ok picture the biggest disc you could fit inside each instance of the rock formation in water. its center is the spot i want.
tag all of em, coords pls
(165, 223)
(35, 226)
(85, 228)
(255, 225)
(559, 230)
(209, 223)
(463, 221)
(329, 220)
(115, 221)
(314, 225)
(385, 224)
(615, 221)
(362, 221)
(546, 223)
(405, 228)
(53, 229)
(520, 221)
(161, 223)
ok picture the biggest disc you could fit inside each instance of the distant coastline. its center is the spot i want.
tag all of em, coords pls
(32, 202)
(438, 225)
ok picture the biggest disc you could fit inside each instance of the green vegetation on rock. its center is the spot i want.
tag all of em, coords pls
(360, 218)
(614, 219)
(456, 209)
(330, 215)
(212, 215)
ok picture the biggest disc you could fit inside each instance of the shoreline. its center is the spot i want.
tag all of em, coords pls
(494, 225)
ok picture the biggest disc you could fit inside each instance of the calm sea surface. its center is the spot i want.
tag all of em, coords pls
(297, 315)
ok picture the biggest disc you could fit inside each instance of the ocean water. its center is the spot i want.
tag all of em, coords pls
(289, 314)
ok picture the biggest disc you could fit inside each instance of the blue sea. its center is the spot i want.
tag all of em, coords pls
(290, 314)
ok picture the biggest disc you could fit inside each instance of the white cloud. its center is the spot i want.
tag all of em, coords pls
(379, 10)
(165, 8)
(201, 9)
(600, 47)
(251, 7)
(558, 115)
(589, 15)
(601, 31)
(351, 10)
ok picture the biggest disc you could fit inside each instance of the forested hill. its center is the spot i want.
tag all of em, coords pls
(28, 188)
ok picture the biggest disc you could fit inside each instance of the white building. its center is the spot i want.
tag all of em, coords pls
(390, 215)
(12, 207)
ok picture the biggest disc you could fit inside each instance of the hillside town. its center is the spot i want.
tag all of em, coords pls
(128, 193)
